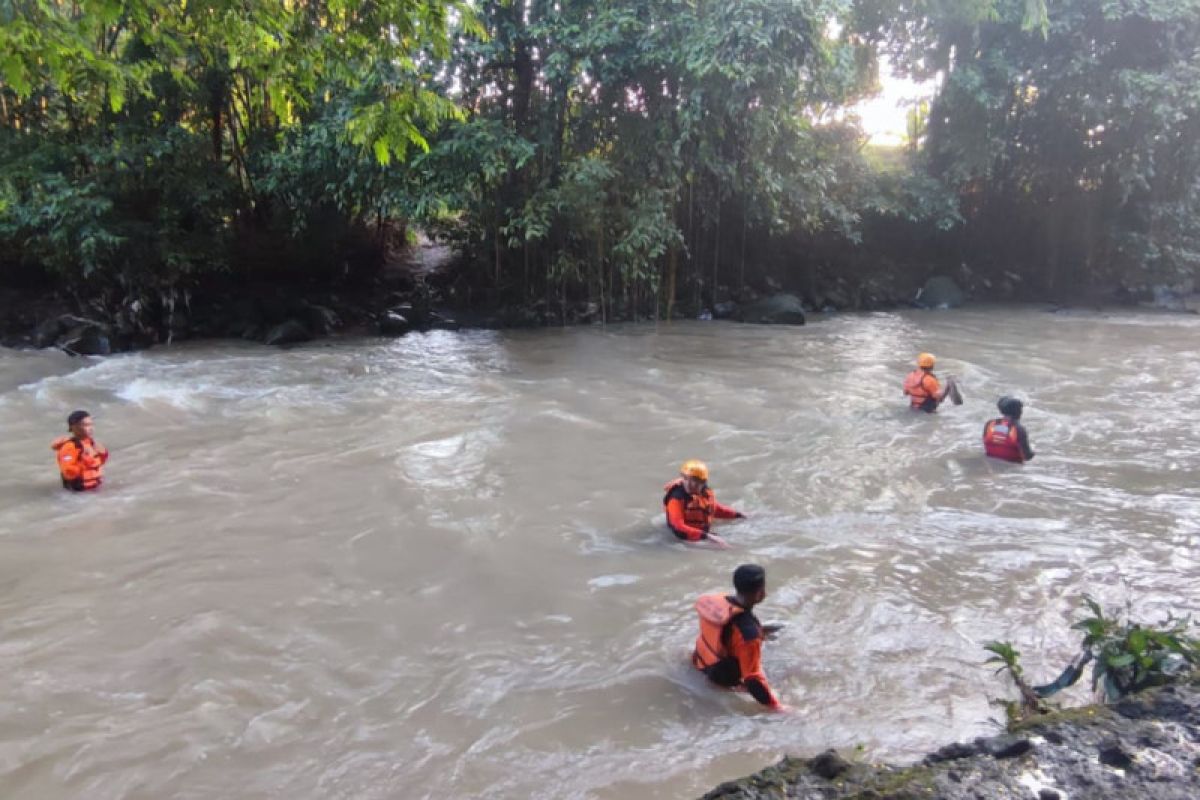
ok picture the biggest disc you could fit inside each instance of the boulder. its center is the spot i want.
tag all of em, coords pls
(288, 332)
(47, 333)
(442, 321)
(319, 320)
(777, 309)
(940, 292)
(394, 324)
(725, 310)
(87, 340)
(76, 335)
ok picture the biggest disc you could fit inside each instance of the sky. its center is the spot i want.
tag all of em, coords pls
(884, 116)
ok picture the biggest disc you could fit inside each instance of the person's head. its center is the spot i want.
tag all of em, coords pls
(79, 423)
(750, 582)
(926, 361)
(695, 475)
(1010, 407)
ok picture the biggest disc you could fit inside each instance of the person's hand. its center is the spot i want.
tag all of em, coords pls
(720, 543)
(781, 708)
(739, 515)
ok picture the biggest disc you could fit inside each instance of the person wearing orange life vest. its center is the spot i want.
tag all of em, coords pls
(691, 506)
(921, 386)
(80, 457)
(729, 648)
(1005, 438)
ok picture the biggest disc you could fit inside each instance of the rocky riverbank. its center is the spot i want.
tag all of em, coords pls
(422, 289)
(1145, 747)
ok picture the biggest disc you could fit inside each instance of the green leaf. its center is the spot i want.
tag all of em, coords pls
(383, 153)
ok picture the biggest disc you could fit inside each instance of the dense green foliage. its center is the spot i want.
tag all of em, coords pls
(1070, 129)
(635, 155)
(147, 144)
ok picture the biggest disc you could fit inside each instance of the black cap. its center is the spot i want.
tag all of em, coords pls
(749, 578)
(1010, 406)
(77, 417)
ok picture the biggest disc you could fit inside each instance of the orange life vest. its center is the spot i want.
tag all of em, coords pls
(85, 457)
(914, 387)
(716, 612)
(1000, 440)
(699, 508)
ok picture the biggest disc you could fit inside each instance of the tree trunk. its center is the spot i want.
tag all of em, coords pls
(672, 268)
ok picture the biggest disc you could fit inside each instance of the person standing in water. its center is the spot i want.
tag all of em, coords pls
(691, 506)
(922, 388)
(729, 648)
(1005, 438)
(80, 457)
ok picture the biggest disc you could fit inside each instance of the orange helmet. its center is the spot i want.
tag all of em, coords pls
(694, 469)
(925, 361)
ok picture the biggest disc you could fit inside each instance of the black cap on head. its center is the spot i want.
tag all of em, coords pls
(1010, 406)
(76, 418)
(749, 578)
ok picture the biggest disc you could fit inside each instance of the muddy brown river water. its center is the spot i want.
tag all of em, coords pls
(436, 567)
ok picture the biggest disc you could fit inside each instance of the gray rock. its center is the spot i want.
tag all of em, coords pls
(1006, 746)
(951, 752)
(940, 292)
(288, 332)
(47, 333)
(84, 337)
(394, 324)
(1114, 754)
(320, 320)
(829, 765)
(778, 309)
(441, 321)
(86, 341)
(1147, 747)
(725, 310)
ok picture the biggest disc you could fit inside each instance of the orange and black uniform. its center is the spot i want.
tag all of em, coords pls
(922, 388)
(729, 647)
(80, 463)
(690, 515)
(1005, 438)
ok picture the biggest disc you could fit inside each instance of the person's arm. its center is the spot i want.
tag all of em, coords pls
(1023, 443)
(932, 388)
(675, 520)
(101, 452)
(749, 656)
(725, 512)
(69, 463)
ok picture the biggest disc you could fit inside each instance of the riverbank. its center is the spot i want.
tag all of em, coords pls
(1146, 746)
(426, 287)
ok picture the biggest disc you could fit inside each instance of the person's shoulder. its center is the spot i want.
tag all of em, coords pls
(677, 492)
(747, 625)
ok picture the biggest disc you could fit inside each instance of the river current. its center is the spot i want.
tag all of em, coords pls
(437, 566)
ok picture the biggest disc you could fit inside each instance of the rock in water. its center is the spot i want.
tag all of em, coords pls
(394, 324)
(940, 292)
(778, 309)
(288, 332)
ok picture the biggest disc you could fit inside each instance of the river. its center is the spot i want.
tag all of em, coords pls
(436, 566)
